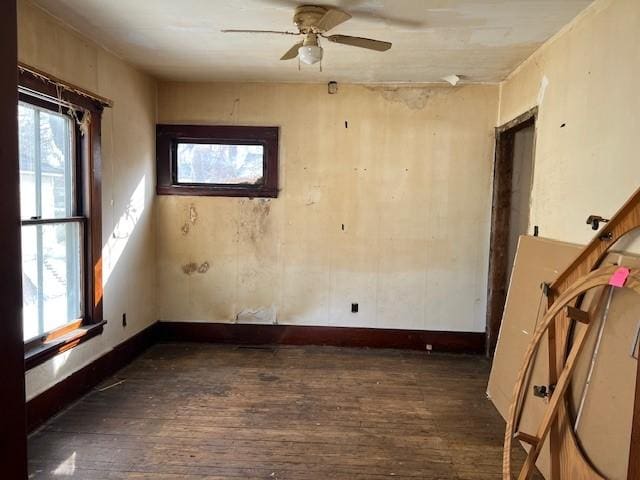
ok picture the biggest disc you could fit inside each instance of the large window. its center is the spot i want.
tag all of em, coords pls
(217, 160)
(60, 198)
(52, 227)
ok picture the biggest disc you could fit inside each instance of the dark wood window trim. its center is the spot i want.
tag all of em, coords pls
(42, 349)
(13, 442)
(38, 88)
(168, 137)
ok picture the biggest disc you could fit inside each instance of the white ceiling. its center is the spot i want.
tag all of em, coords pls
(484, 40)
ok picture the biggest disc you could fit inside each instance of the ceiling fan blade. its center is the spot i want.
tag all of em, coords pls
(261, 31)
(332, 19)
(292, 52)
(377, 45)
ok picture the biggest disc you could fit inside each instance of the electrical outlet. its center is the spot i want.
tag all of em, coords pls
(354, 308)
(124, 319)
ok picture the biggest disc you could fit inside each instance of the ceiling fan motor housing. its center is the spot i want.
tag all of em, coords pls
(307, 16)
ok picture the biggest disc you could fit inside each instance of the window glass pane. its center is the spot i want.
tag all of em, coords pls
(51, 275)
(46, 167)
(30, 282)
(26, 129)
(55, 146)
(220, 164)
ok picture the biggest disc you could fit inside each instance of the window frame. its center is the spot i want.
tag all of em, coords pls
(77, 216)
(169, 136)
(38, 89)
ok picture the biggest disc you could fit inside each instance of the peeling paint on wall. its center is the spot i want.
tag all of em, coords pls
(544, 83)
(314, 194)
(262, 315)
(191, 220)
(415, 98)
(192, 267)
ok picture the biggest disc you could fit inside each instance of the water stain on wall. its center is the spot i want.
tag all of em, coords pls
(192, 267)
(193, 214)
(189, 268)
(253, 221)
(191, 220)
(415, 98)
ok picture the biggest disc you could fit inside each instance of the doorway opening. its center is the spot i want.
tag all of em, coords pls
(512, 183)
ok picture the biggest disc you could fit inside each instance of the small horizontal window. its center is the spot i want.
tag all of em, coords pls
(217, 160)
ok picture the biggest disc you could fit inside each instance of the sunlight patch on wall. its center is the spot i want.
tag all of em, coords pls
(59, 361)
(123, 230)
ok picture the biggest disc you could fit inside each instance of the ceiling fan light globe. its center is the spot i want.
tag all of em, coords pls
(310, 54)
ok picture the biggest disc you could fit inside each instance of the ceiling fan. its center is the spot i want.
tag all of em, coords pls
(313, 22)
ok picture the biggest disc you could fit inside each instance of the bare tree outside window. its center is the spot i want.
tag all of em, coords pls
(220, 164)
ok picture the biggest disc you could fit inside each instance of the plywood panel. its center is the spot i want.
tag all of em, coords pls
(605, 424)
(537, 260)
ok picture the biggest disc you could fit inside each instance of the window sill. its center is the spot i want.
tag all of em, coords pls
(217, 191)
(39, 353)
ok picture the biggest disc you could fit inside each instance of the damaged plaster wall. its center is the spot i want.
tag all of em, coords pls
(385, 202)
(585, 82)
(128, 181)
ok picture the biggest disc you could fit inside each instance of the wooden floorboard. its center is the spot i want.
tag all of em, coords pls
(198, 411)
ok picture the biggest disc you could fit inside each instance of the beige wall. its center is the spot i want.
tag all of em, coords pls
(585, 83)
(410, 179)
(128, 145)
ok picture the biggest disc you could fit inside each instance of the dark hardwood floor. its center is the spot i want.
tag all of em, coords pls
(196, 411)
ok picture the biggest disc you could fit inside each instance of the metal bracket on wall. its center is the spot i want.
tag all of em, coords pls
(595, 221)
(543, 391)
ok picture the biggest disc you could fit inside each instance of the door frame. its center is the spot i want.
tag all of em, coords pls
(13, 441)
(498, 278)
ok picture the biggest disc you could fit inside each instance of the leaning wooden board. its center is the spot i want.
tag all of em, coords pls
(605, 425)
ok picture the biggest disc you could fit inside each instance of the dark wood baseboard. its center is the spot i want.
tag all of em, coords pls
(50, 402)
(244, 334)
